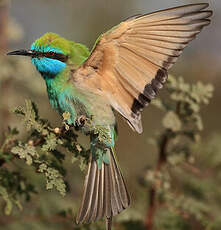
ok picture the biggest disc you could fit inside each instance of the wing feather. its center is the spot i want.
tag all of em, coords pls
(129, 63)
(186, 19)
(172, 13)
(160, 38)
(152, 43)
(170, 26)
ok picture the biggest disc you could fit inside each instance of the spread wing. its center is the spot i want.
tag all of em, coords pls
(129, 63)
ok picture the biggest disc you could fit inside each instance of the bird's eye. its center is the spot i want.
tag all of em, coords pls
(51, 54)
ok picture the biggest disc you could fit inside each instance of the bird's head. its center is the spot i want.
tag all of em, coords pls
(50, 54)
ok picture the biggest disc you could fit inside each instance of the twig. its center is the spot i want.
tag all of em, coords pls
(152, 193)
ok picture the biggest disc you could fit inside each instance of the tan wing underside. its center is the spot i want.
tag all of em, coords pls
(130, 62)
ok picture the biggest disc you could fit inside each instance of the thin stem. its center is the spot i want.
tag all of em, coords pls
(152, 193)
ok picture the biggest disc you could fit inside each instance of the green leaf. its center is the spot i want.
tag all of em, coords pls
(25, 151)
(53, 178)
(8, 202)
(171, 121)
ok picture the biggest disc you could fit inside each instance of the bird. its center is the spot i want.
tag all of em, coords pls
(123, 72)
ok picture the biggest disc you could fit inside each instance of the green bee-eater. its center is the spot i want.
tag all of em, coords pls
(124, 71)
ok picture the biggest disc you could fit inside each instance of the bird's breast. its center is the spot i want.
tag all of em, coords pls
(65, 102)
(77, 103)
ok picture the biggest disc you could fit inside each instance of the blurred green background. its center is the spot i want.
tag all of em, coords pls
(83, 21)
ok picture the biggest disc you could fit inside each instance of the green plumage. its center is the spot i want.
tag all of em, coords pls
(76, 52)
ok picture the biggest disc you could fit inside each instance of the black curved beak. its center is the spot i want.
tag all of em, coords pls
(22, 52)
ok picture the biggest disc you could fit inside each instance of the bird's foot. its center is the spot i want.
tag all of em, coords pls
(80, 122)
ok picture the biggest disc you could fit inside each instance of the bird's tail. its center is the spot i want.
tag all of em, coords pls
(105, 193)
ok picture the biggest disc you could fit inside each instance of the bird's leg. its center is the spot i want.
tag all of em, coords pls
(80, 122)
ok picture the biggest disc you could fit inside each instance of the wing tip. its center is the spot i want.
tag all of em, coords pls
(210, 13)
(203, 6)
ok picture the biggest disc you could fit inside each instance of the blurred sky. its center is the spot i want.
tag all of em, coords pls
(84, 20)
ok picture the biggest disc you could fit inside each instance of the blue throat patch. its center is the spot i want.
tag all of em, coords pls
(46, 66)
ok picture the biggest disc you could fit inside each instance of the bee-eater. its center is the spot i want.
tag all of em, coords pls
(124, 71)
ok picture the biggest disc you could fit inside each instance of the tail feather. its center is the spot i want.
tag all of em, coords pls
(88, 193)
(105, 192)
(120, 187)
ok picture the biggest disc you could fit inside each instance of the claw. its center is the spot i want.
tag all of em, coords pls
(80, 121)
